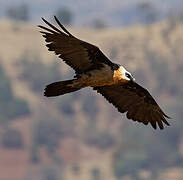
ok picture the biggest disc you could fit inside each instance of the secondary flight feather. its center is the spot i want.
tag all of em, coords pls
(94, 69)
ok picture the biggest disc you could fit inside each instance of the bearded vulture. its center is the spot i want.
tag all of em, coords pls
(94, 69)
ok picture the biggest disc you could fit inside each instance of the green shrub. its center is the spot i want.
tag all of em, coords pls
(38, 74)
(66, 105)
(12, 139)
(47, 133)
(99, 24)
(101, 140)
(20, 12)
(95, 172)
(130, 163)
(34, 155)
(50, 173)
(90, 105)
(65, 15)
(76, 169)
(10, 107)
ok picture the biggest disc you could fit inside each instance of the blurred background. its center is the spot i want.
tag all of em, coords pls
(80, 135)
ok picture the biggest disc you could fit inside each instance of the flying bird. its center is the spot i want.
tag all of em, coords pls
(94, 69)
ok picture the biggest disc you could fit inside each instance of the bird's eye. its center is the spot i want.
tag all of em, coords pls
(127, 75)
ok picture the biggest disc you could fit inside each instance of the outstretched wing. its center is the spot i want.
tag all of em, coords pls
(136, 101)
(80, 55)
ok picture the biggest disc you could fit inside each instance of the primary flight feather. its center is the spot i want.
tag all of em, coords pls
(94, 69)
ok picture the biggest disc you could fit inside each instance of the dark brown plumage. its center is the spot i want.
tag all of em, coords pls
(79, 55)
(94, 69)
(136, 101)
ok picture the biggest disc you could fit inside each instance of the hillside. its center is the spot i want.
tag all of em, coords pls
(81, 136)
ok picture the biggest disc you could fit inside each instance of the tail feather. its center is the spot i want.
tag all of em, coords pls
(60, 88)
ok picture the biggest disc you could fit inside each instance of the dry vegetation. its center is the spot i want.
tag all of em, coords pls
(81, 136)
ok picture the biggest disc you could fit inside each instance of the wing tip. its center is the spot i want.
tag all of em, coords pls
(167, 116)
(158, 122)
(153, 125)
(44, 20)
(55, 17)
(164, 122)
(55, 28)
(62, 26)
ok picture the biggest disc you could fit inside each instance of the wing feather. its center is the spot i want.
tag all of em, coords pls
(159, 120)
(80, 55)
(146, 113)
(152, 120)
(136, 101)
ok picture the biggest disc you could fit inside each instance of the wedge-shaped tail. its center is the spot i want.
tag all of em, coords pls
(60, 88)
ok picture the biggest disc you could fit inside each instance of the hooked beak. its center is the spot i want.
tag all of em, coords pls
(132, 79)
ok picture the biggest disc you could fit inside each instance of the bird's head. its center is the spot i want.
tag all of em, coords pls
(122, 74)
(129, 77)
